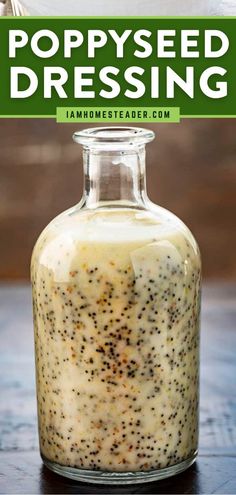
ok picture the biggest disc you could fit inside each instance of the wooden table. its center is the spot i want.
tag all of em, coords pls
(21, 470)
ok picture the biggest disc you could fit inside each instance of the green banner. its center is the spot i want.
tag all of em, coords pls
(117, 69)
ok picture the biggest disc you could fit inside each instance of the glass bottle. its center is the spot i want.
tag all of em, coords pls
(116, 296)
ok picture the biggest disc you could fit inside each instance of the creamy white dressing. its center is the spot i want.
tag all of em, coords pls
(116, 307)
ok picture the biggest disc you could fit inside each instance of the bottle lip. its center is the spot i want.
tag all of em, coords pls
(113, 136)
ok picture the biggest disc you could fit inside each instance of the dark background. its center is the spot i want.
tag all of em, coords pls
(191, 170)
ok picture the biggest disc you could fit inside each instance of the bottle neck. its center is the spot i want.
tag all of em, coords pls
(114, 177)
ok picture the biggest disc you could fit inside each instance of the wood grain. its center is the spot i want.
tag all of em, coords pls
(21, 470)
(24, 474)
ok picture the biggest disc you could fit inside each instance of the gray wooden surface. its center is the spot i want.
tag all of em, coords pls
(21, 471)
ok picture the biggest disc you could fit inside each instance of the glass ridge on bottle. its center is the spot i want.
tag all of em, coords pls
(116, 297)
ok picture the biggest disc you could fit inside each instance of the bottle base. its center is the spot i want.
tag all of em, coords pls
(119, 478)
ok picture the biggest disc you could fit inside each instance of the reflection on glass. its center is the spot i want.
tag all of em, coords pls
(116, 285)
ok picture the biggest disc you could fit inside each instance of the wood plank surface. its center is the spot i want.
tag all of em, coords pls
(21, 470)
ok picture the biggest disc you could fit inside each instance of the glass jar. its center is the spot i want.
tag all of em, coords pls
(116, 296)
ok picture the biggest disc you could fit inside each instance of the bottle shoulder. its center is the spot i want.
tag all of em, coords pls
(176, 223)
(50, 231)
(110, 228)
